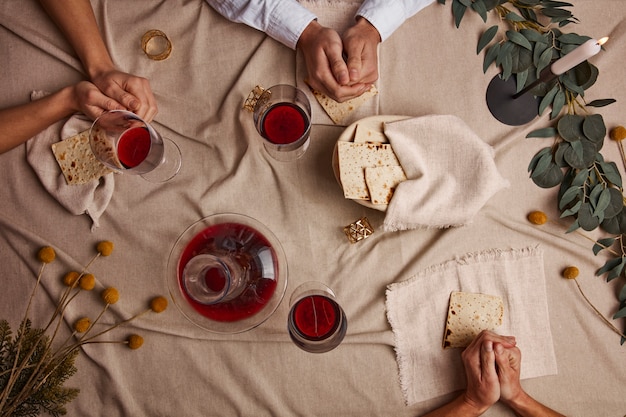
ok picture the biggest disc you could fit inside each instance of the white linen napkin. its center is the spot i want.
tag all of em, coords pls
(417, 309)
(451, 173)
(338, 15)
(91, 198)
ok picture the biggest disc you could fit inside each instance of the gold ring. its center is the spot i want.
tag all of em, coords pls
(156, 45)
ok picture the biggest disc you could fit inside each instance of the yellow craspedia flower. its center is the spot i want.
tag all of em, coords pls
(618, 133)
(82, 325)
(46, 254)
(87, 282)
(110, 295)
(70, 278)
(134, 341)
(105, 248)
(537, 217)
(571, 272)
(158, 304)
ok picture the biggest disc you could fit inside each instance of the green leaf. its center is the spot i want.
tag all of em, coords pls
(570, 127)
(572, 211)
(557, 104)
(546, 132)
(521, 78)
(586, 219)
(479, 7)
(486, 37)
(616, 203)
(514, 17)
(569, 196)
(534, 36)
(594, 128)
(611, 173)
(458, 11)
(617, 271)
(574, 226)
(518, 39)
(490, 56)
(551, 177)
(603, 201)
(548, 98)
(544, 60)
(601, 103)
(602, 244)
(622, 295)
(573, 38)
(580, 154)
(609, 265)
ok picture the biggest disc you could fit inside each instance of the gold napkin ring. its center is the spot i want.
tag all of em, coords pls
(359, 230)
(156, 45)
(252, 98)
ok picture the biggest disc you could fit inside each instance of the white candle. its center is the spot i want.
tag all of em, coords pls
(578, 55)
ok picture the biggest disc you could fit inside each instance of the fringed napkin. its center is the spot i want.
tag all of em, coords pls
(451, 173)
(417, 309)
(91, 198)
(338, 15)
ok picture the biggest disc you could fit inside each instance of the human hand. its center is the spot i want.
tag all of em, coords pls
(509, 362)
(131, 92)
(88, 99)
(479, 359)
(360, 43)
(322, 49)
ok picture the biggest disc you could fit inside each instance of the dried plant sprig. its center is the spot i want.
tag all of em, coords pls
(33, 365)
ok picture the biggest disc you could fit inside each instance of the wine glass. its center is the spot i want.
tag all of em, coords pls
(124, 142)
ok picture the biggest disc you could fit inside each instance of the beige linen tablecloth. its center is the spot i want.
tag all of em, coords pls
(427, 67)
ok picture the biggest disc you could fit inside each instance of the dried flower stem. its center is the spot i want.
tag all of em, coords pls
(604, 319)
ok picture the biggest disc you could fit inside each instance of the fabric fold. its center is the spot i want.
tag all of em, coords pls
(451, 173)
(91, 198)
(417, 310)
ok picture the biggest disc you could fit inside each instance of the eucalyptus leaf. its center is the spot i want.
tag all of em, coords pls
(604, 199)
(570, 127)
(580, 154)
(522, 60)
(538, 50)
(514, 17)
(586, 219)
(594, 128)
(551, 177)
(556, 14)
(573, 38)
(557, 4)
(620, 314)
(617, 271)
(611, 173)
(521, 78)
(542, 165)
(479, 7)
(581, 177)
(573, 227)
(571, 85)
(548, 98)
(490, 56)
(534, 36)
(573, 210)
(603, 244)
(535, 159)
(544, 59)
(601, 102)
(615, 204)
(557, 104)
(569, 196)
(458, 11)
(486, 37)
(593, 76)
(622, 294)
(609, 265)
(518, 39)
(546, 132)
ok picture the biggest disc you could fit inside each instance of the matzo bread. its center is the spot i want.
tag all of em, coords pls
(338, 111)
(354, 158)
(382, 181)
(77, 161)
(371, 131)
(468, 315)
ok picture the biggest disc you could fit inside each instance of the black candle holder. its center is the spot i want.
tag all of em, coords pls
(511, 107)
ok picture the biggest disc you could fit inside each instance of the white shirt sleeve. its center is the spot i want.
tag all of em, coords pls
(388, 15)
(283, 20)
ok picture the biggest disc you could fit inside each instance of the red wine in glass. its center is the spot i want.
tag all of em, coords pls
(133, 146)
(316, 317)
(284, 123)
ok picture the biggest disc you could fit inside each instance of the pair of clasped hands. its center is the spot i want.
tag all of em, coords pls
(341, 66)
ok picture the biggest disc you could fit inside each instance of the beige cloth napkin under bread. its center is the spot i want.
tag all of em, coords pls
(91, 198)
(338, 15)
(451, 173)
(417, 310)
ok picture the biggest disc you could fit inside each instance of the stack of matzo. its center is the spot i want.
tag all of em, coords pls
(368, 167)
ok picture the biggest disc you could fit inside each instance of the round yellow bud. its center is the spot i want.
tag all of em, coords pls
(571, 272)
(158, 304)
(87, 282)
(135, 341)
(618, 133)
(110, 295)
(537, 217)
(46, 254)
(82, 325)
(105, 248)
(70, 278)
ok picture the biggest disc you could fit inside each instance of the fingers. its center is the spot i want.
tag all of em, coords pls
(131, 92)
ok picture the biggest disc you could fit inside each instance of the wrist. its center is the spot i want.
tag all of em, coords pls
(469, 407)
(308, 34)
(521, 401)
(366, 26)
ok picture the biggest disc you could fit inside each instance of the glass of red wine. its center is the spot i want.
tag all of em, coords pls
(124, 142)
(316, 322)
(282, 116)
